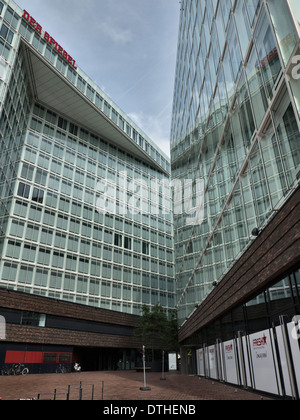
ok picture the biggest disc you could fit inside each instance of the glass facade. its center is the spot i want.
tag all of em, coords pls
(57, 178)
(255, 345)
(236, 127)
(259, 313)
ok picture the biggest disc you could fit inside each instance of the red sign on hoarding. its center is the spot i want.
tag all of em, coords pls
(260, 342)
(32, 22)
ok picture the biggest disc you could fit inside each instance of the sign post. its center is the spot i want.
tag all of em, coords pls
(172, 362)
(2, 328)
(145, 387)
(163, 367)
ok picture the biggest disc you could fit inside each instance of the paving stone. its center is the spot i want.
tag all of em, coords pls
(120, 386)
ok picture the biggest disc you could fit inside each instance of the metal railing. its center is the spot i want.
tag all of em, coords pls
(78, 392)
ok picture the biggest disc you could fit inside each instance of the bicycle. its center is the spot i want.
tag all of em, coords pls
(61, 369)
(4, 371)
(18, 369)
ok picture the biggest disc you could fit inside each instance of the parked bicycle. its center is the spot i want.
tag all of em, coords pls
(4, 371)
(62, 369)
(18, 369)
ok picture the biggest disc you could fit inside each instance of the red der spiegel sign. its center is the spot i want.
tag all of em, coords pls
(34, 24)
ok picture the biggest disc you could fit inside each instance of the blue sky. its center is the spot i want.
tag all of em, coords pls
(128, 47)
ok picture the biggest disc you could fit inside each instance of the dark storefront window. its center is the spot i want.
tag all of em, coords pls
(65, 358)
(33, 319)
(256, 313)
(259, 313)
(49, 358)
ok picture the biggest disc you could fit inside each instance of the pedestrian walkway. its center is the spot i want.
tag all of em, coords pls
(120, 386)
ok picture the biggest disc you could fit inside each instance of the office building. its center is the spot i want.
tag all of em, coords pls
(235, 137)
(85, 220)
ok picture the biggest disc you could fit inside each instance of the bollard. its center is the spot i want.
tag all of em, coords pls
(80, 391)
(68, 393)
(102, 390)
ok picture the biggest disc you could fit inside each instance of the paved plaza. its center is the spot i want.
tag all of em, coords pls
(114, 386)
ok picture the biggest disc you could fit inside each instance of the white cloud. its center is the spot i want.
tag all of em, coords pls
(115, 32)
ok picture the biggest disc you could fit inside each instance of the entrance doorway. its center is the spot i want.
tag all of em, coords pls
(104, 359)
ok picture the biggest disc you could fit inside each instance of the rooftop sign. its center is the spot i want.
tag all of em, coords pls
(32, 22)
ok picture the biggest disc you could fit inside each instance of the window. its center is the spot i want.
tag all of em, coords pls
(81, 84)
(236, 59)
(258, 96)
(65, 358)
(106, 271)
(23, 190)
(82, 285)
(55, 280)
(62, 123)
(17, 228)
(108, 236)
(118, 240)
(10, 272)
(41, 177)
(105, 289)
(58, 260)
(283, 27)
(49, 358)
(127, 293)
(41, 278)
(127, 258)
(27, 172)
(145, 248)
(38, 195)
(243, 27)
(26, 274)
(116, 291)
(33, 319)
(267, 53)
(71, 75)
(127, 243)
(13, 249)
(29, 253)
(44, 256)
(90, 92)
(6, 33)
(4, 49)
(107, 108)
(73, 129)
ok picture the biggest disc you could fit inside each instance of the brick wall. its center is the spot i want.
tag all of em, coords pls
(39, 335)
(275, 251)
(32, 303)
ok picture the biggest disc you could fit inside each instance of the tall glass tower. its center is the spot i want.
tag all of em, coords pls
(83, 217)
(235, 127)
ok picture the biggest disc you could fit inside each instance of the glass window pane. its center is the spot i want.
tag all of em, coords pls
(235, 53)
(259, 185)
(284, 27)
(256, 87)
(245, 110)
(243, 27)
(267, 53)
(289, 141)
(228, 75)
(220, 26)
(273, 165)
(296, 9)
(252, 8)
